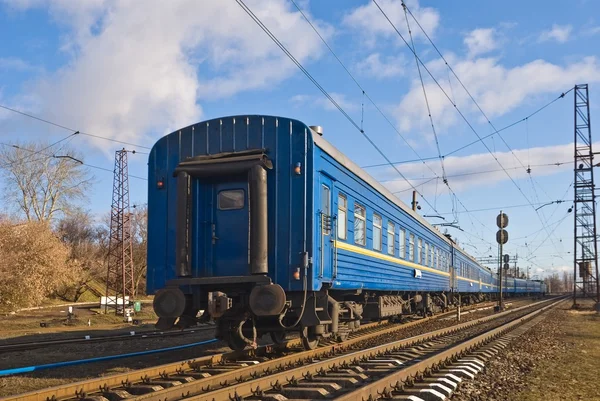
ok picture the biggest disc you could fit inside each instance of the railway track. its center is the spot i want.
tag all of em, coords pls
(216, 371)
(22, 346)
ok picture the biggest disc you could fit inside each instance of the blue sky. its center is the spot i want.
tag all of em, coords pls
(134, 71)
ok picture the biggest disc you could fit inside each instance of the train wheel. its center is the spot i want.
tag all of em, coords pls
(278, 337)
(341, 337)
(235, 342)
(309, 339)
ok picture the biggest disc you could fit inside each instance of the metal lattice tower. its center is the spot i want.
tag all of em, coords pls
(120, 282)
(585, 264)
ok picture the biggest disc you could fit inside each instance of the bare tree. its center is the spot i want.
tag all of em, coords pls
(139, 233)
(78, 231)
(41, 185)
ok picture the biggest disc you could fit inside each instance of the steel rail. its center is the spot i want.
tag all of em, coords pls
(282, 370)
(386, 384)
(70, 390)
(105, 338)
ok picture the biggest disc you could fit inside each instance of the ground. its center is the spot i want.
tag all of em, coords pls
(26, 324)
(559, 359)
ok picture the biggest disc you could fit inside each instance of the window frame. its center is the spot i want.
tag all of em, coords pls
(411, 247)
(402, 243)
(380, 229)
(237, 190)
(344, 210)
(426, 260)
(363, 218)
(391, 238)
(419, 251)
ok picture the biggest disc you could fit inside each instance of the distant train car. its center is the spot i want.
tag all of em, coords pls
(265, 226)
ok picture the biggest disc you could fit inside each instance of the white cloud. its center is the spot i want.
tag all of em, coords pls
(370, 22)
(559, 33)
(480, 41)
(16, 64)
(497, 89)
(381, 68)
(323, 102)
(591, 31)
(138, 71)
(459, 169)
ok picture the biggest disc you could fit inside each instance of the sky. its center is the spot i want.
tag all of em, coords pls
(133, 71)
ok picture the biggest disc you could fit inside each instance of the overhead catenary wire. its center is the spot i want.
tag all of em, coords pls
(468, 173)
(524, 119)
(48, 156)
(435, 136)
(324, 92)
(506, 207)
(461, 114)
(528, 170)
(70, 129)
(386, 118)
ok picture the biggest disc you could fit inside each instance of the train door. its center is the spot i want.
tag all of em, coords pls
(230, 227)
(325, 224)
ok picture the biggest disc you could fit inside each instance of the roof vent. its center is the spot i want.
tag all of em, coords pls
(317, 128)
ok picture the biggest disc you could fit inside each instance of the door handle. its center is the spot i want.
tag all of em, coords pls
(214, 231)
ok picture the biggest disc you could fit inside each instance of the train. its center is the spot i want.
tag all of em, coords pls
(261, 225)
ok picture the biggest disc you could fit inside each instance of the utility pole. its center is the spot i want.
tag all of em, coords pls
(585, 252)
(120, 284)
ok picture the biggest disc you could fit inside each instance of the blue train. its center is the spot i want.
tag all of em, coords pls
(266, 227)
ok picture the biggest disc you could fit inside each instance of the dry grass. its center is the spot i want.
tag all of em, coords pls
(573, 373)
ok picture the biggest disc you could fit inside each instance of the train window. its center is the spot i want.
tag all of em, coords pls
(231, 199)
(359, 224)
(437, 258)
(391, 238)
(411, 248)
(342, 216)
(426, 260)
(432, 256)
(420, 251)
(376, 232)
(402, 243)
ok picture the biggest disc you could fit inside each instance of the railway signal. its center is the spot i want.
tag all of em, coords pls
(501, 238)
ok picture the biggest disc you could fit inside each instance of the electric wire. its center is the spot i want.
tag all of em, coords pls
(437, 143)
(468, 173)
(482, 112)
(48, 156)
(386, 118)
(464, 118)
(71, 129)
(323, 91)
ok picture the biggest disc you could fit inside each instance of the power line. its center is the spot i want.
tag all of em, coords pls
(48, 156)
(507, 207)
(428, 179)
(323, 91)
(70, 129)
(386, 118)
(471, 127)
(484, 115)
(437, 143)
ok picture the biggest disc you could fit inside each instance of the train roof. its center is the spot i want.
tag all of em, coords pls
(362, 174)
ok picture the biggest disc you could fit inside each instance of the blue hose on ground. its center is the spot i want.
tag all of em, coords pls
(28, 369)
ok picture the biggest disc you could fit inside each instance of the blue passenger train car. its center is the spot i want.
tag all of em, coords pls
(265, 226)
